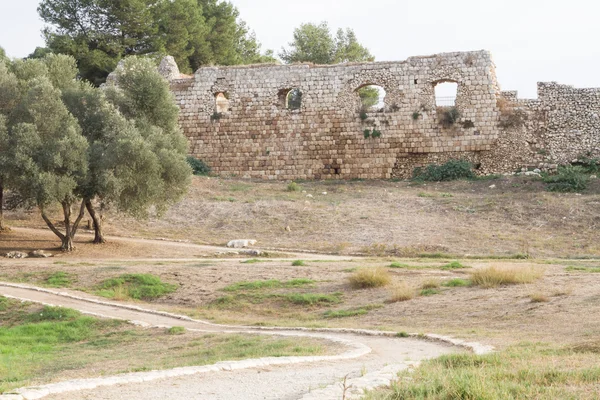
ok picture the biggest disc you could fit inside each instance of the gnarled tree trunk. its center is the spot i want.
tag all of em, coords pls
(70, 230)
(2, 227)
(98, 235)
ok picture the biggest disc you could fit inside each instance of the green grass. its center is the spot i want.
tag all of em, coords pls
(240, 301)
(453, 265)
(525, 371)
(429, 292)
(268, 284)
(59, 280)
(41, 344)
(254, 261)
(457, 282)
(593, 270)
(298, 263)
(351, 312)
(135, 286)
(449, 266)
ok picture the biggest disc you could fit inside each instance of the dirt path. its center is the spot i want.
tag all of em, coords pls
(370, 360)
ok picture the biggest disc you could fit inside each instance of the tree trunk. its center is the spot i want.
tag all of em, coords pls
(2, 227)
(98, 235)
(70, 230)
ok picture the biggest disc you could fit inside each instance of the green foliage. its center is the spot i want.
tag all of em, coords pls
(176, 330)
(310, 299)
(448, 116)
(416, 115)
(523, 371)
(268, 284)
(568, 179)
(293, 187)
(429, 292)
(451, 170)
(216, 116)
(298, 263)
(376, 133)
(453, 265)
(99, 33)
(135, 286)
(315, 43)
(59, 279)
(369, 96)
(364, 116)
(457, 282)
(198, 166)
(367, 133)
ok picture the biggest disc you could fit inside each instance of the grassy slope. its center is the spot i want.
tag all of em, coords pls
(42, 344)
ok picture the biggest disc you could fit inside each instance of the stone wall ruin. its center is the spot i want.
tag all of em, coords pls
(305, 121)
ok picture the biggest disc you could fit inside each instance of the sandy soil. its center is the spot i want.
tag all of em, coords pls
(516, 215)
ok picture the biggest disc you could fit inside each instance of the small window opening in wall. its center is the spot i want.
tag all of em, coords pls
(290, 99)
(372, 98)
(221, 103)
(445, 94)
(416, 81)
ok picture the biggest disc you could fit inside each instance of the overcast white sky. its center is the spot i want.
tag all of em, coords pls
(531, 40)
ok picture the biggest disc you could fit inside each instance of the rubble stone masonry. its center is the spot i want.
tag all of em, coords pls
(239, 122)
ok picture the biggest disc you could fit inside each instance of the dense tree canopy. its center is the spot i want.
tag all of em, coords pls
(64, 141)
(315, 43)
(99, 33)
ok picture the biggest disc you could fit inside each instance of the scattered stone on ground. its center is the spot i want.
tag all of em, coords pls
(241, 243)
(16, 254)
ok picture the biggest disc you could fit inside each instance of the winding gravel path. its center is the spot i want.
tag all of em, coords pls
(372, 359)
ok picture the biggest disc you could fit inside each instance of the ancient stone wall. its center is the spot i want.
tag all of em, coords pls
(240, 120)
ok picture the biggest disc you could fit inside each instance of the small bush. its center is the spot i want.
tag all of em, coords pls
(176, 330)
(492, 276)
(416, 115)
(453, 265)
(367, 133)
(293, 187)
(376, 133)
(402, 334)
(311, 299)
(298, 263)
(135, 286)
(448, 116)
(457, 282)
(451, 170)
(198, 166)
(216, 116)
(401, 292)
(567, 179)
(429, 292)
(370, 278)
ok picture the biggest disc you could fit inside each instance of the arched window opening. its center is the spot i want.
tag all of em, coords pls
(221, 103)
(372, 98)
(445, 94)
(293, 99)
(290, 99)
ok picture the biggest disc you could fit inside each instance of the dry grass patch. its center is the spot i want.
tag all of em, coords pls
(431, 284)
(401, 292)
(539, 298)
(370, 278)
(495, 276)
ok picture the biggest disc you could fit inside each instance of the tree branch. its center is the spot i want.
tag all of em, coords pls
(51, 225)
(78, 220)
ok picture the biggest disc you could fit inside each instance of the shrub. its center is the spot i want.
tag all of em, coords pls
(401, 292)
(567, 179)
(135, 286)
(198, 166)
(447, 116)
(453, 265)
(456, 282)
(492, 276)
(539, 298)
(451, 170)
(416, 115)
(176, 330)
(293, 187)
(429, 292)
(298, 263)
(370, 278)
(376, 133)
(367, 133)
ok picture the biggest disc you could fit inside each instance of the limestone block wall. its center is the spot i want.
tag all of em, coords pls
(256, 135)
(238, 122)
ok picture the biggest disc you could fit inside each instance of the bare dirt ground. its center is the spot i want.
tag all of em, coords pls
(463, 217)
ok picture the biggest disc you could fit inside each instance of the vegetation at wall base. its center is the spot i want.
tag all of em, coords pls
(449, 171)
(198, 166)
(568, 179)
